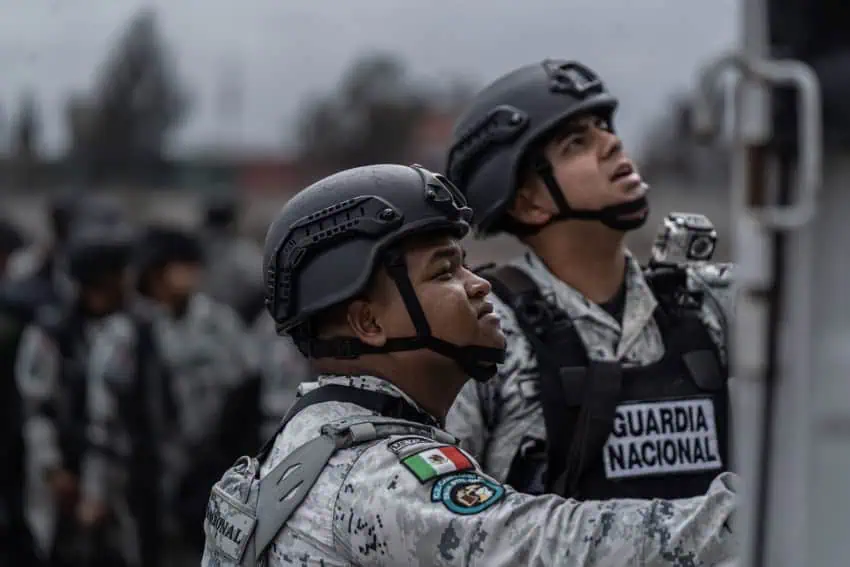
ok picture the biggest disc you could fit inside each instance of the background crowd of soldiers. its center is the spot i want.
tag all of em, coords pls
(138, 363)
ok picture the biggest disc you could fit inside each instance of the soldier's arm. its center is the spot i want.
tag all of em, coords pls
(37, 368)
(389, 513)
(111, 370)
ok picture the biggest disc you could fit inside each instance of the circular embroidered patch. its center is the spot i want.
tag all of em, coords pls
(467, 494)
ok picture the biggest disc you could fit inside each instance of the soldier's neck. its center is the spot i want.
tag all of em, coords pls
(432, 394)
(591, 261)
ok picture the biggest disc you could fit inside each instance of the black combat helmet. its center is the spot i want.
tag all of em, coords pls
(95, 250)
(504, 129)
(330, 238)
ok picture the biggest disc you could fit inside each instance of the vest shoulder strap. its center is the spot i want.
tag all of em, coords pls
(669, 284)
(563, 377)
(551, 332)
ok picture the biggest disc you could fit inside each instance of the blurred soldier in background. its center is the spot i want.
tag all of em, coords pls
(51, 374)
(282, 368)
(159, 377)
(35, 273)
(17, 546)
(40, 260)
(615, 382)
(233, 278)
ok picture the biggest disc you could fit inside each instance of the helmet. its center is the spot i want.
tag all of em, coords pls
(330, 238)
(505, 124)
(95, 250)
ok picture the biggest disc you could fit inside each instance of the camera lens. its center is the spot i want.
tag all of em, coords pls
(701, 248)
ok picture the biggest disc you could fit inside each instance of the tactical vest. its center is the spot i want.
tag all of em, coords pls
(245, 513)
(654, 431)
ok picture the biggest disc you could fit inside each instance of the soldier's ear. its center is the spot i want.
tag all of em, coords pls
(364, 323)
(532, 204)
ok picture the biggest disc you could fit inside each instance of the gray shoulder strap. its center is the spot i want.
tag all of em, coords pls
(283, 490)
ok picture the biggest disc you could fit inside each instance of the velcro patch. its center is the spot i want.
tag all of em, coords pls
(467, 494)
(405, 446)
(437, 461)
(228, 524)
(666, 437)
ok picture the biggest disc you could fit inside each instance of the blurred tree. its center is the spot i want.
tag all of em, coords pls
(372, 115)
(137, 105)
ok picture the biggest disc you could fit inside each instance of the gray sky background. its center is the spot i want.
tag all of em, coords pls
(289, 49)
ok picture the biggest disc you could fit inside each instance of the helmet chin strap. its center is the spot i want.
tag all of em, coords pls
(621, 217)
(477, 362)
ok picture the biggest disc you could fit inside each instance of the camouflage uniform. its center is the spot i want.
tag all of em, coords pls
(496, 420)
(371, 505)
(38, 371)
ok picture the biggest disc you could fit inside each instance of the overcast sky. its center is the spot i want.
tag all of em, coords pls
(288, 49)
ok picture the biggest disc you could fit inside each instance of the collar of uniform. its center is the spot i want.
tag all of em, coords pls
(639, 307)
(370, 383)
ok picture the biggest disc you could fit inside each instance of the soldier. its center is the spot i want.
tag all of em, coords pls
(17, 545)
(615, 380)
(233, 278)
(159, 375)
(365, 272)
(51, 374)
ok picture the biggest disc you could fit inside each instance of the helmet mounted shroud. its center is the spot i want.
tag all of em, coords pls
(503, 131)
(352, 223)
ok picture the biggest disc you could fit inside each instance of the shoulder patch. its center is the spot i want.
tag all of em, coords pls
(467, 494)
(434, 461)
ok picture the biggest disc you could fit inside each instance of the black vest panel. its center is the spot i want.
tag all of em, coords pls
(69, 407)
(654, 431)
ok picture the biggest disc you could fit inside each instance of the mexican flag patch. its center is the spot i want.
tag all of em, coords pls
(438, 461)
